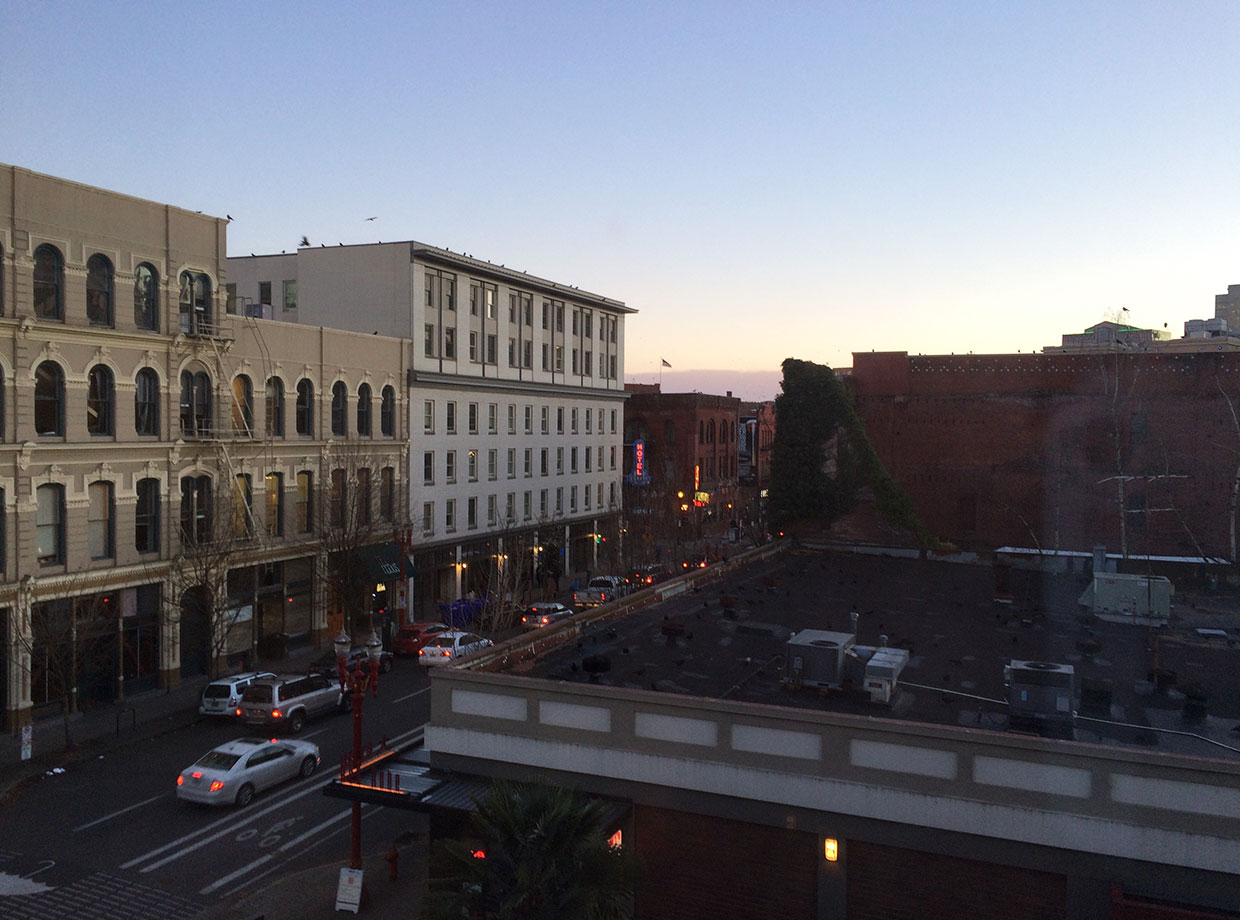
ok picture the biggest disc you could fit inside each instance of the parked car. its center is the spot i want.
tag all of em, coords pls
(234, 772)
(325, 664)
(651, 574)
(290, 701)
(220, 697)
(448, 646)
(544, 613)
(409, 639)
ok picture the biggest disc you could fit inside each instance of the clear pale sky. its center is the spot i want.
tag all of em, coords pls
(760, 181)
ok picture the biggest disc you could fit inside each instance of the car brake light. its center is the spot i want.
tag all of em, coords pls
(238, 710)
(546, 619)
(181, 780)
(603, 597)
(275, 713)
(216, 786)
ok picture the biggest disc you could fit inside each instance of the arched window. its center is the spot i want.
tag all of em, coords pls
(195, 304)
(363, 410)
(387, 412)
(100, 521)
(49, 283)
(340, 399)
(146, 402)
(49, 399)
(50, 524)
(195, 509)
(146, 297)
(99, 413)
(275, 407)
(710, 432)
(99, 290)
(305, 408)
(242, 405)
(146, 517)
(195, 403)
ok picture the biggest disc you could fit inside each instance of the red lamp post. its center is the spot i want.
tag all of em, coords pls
(356, 684)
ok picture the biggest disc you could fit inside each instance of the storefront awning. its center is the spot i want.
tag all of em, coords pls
(382, 561)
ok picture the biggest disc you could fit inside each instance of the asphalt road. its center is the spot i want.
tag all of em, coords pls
(110, 838)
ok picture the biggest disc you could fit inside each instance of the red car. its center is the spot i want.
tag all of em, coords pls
(410, 639)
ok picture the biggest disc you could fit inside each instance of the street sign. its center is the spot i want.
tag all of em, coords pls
(27, 741)
(349, 890)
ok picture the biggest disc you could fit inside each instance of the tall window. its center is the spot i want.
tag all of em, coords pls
(363, 496)
(363, 410)
(99, 290)
(387, 494)
(50, 524)
(243, 506)
(100, 520)
(339, 403)
(146, 402)
(195, 304)
(387, 413)
(99, 401)
(146, 297)
(49, 283)
(273, 516)
(305, 502)
(305, 408)
(195, 510)
(242, 405)
(49, 399)
(146, 517)
(338, 497)
(275, 407)
(195, 403)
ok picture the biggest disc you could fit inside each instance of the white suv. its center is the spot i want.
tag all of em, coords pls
(220, 697)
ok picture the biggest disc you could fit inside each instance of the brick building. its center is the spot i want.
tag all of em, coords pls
(1061, 451)
(690, 446)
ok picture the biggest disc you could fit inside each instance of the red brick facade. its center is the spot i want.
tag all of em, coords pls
(1045, 450)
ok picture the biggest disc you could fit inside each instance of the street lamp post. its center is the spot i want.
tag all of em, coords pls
(356, 684)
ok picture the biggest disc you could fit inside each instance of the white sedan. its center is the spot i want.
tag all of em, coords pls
(545, 613)
(234, 772)
(446, 647)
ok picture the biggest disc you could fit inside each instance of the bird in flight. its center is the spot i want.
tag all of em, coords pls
(376, 217)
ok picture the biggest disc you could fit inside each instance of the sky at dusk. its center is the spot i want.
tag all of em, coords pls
(759, 181)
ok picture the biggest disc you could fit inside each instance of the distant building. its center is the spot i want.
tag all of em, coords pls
(1227, 306)
(515, 394)
(1109, 336)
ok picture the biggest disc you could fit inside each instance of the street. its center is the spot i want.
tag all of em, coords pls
(108, 837)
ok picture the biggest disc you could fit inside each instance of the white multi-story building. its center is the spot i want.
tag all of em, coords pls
(515, 394)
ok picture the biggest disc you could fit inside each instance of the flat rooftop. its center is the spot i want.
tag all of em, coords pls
(727, 638)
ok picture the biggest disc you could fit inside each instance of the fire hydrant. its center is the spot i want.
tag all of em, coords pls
(393, 858)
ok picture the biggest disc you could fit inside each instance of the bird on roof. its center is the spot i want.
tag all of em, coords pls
(305, 241)
(229, 216)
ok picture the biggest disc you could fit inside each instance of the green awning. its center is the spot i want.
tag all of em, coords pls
(382, 561)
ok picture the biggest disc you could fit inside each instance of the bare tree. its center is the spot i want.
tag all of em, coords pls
(1119, 394)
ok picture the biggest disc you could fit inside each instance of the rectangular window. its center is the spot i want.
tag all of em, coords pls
(529, 463)
(559, 317)
(612, 362)
(492, 418)
(559, 420)
(546, 356)
(473, 418)
(611, 492)
(527, 354)
(572, 460)
(588, 455)
(428, 341)
(449, 515)
(100, 521)
(546, 421)
(512, 352)
(613, 457)
(588, 429)
(471, 464)
(576, 322)
(428, 518)
(542, 503)
(450, 421)
(387, 494)
(512, 418)
(613, 419)
(585, 492)
(491, 349)
(573, 417)
(428, 417)
(546, 314)
(527, 505)
(543, 458)
(273, 515)
(492, 511)
(572, 499)
(449, 342)
(492, 464)
(264, 292)
(428, 468)
(305, 497)
(146, 517)
(290, 295)
(510, 508)
(449, 469)
(559, 359)
(529, 419)
(587, 367)
(512, 463)
(471, 508)
(490, 294)
(559, 461)
(600, 457)
(559, 500)
(575, 366)
(473, 346)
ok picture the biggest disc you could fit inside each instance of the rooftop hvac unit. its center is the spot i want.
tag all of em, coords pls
(815, 658)
(882, 672)
(1040, 692)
